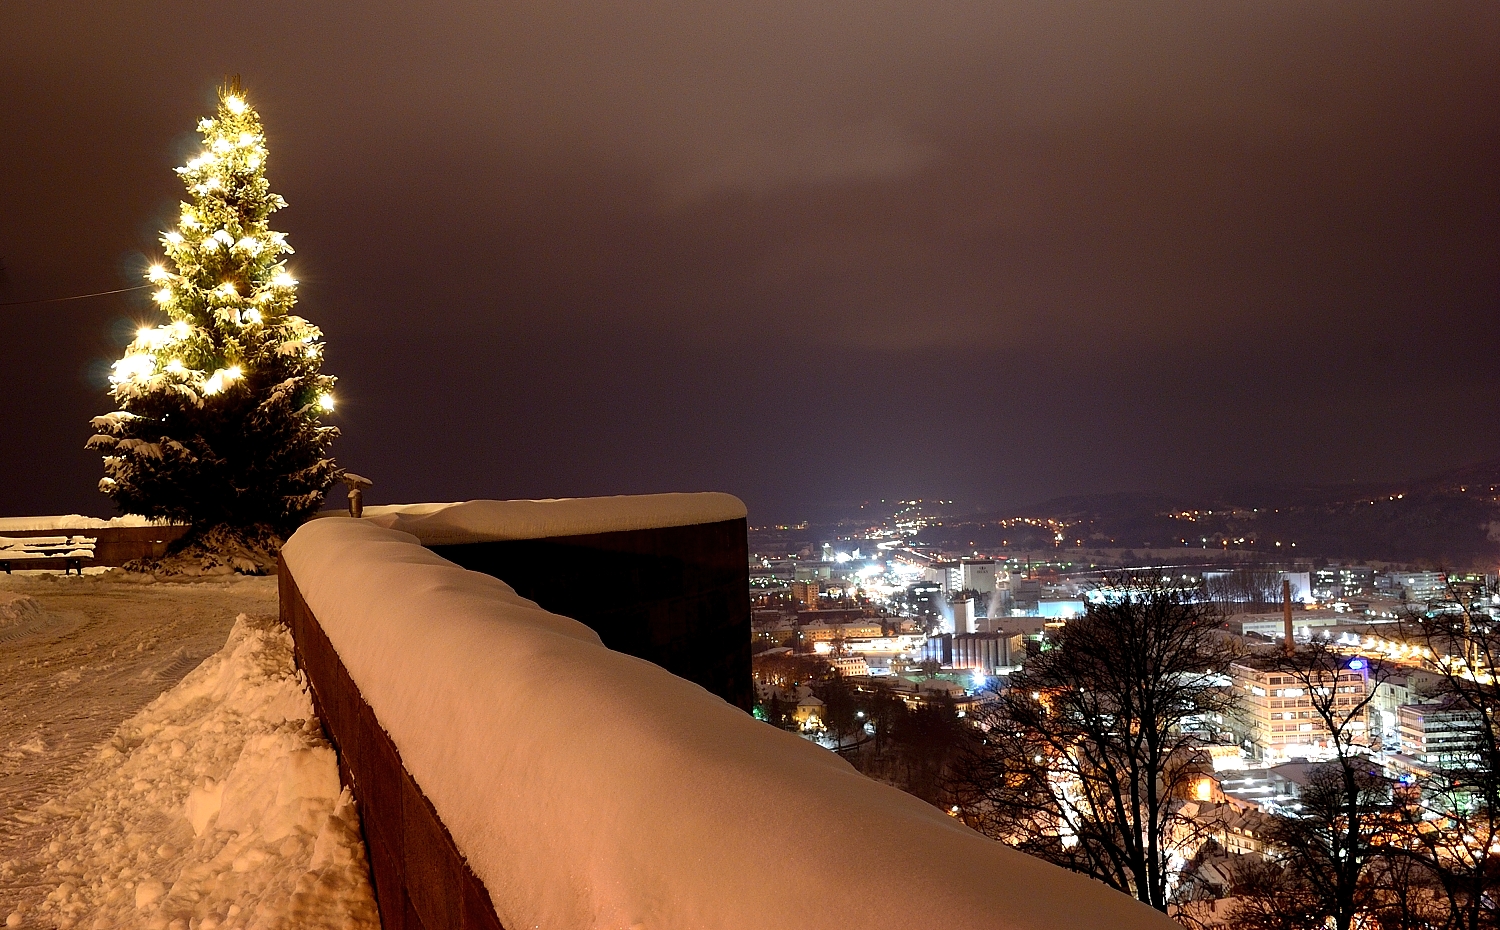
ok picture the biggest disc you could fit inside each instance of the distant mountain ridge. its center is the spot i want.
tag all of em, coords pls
(1449, 520)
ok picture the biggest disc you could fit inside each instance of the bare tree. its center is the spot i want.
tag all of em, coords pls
(1345, 804)
(1271, 896)
(1244, 589)
(1453, 820)
(1083, 758)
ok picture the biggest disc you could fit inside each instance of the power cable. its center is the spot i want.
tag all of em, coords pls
(54, 300)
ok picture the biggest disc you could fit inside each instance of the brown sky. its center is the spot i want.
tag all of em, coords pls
(798, 251)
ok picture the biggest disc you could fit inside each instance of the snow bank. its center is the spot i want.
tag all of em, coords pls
(590, 789)
(490, 521)
(71, 521)
(17, 608)
(218, 806)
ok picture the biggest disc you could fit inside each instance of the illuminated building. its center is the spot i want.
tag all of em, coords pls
(850, 666)
(1421, 587)
(1342, 581)
(1443, 733)
(827, 632)
(983, 652)
(1274, 713)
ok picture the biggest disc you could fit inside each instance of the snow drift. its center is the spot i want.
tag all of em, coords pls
(16, 608)
(590, 789)
(218, 806)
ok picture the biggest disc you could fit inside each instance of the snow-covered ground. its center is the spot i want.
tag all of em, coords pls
(214, 804)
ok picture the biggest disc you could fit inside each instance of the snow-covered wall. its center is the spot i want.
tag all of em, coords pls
(590, 789)
(490, 521)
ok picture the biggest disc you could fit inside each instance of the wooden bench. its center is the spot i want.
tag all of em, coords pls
(107, 545)
(73, 553)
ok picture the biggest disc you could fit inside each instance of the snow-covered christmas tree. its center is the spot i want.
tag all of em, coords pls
(219, 419)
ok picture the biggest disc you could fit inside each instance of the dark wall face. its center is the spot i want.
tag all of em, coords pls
(677, 596)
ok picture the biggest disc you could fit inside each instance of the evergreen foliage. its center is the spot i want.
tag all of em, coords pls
(219, 408)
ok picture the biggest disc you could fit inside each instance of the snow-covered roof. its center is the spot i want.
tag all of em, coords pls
(587, 788)
(490, 521)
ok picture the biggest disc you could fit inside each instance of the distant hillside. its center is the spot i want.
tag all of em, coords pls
(1450, 520)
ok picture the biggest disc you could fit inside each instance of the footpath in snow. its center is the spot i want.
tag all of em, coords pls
(78, 656)
(218, 805)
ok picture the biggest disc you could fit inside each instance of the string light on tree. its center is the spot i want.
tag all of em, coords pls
(219, 408)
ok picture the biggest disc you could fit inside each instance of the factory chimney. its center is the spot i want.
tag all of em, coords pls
(1286, 613)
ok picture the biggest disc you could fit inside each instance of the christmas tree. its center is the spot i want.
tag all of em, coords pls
(219, 407)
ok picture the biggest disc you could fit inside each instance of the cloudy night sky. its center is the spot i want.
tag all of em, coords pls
(802, 252)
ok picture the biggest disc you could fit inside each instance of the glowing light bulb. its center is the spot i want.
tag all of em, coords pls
(221, 146)
(235, 104)
(189, 220)
(176, 367)
(180, 330)
(284, 280)
(173, 237)
(144, 333)
(232, 373)
(249, 244)
(247, 139)
(253, 161)
(228, 289)
(325, 401)
(157, 273)
(212, 183)
(163, 295)
(131, 367)
(252, 315)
